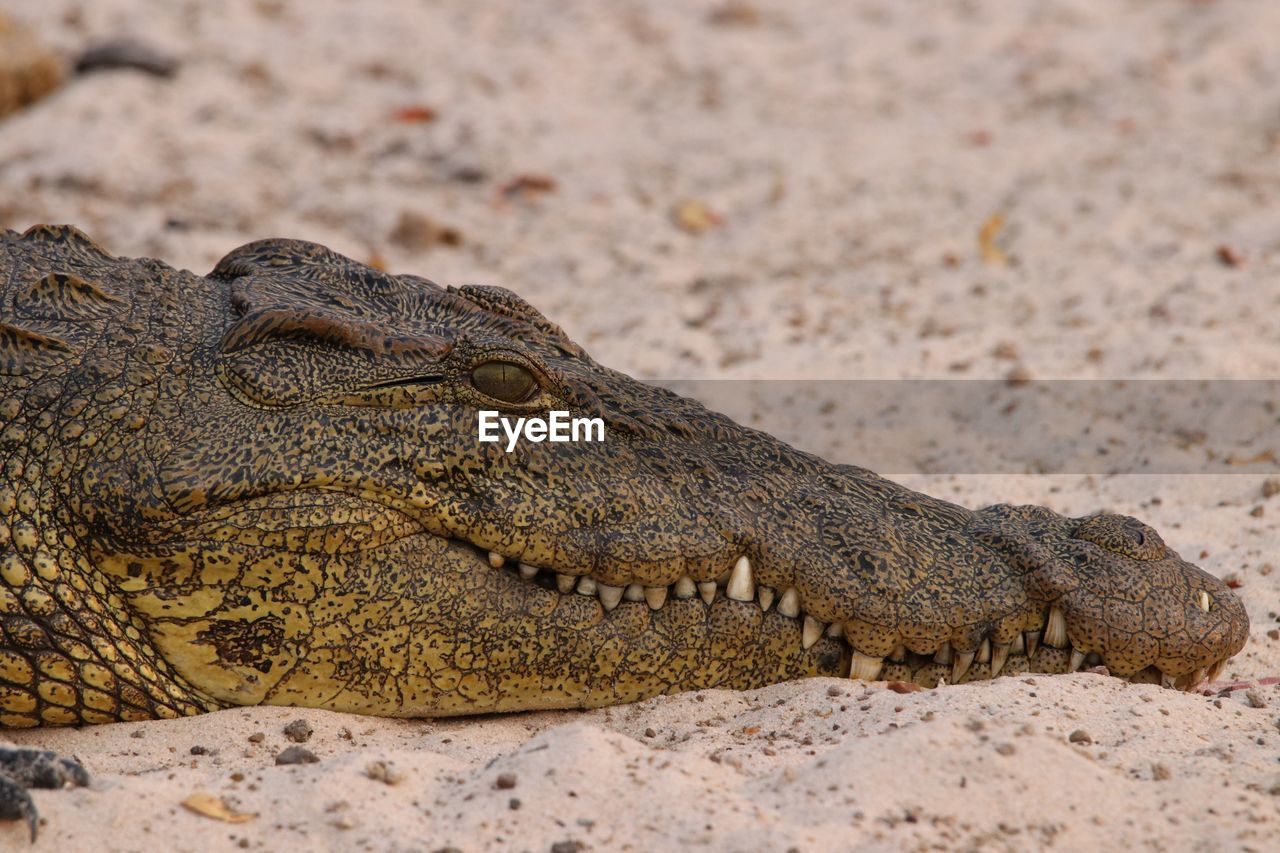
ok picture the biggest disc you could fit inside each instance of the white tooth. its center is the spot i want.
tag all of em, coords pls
(656, 596)
(789, 604)
(1203, 599)
(984, 652)
(686, 588)
(741, 585)
(865, 667)
(899, 654)
(999, 655)
(707, 589)
(586, 586)
(609, 595)
(765, 596)
(528, 572)
(943, 655)
(1033, 642)
(1168, 681)
(960, 666)
(565, 583)
(1216, 670)
(497, 560)
(633, 592)
(1077, 660)
(836, 630)
(1019, 645)
(1055, 629)
(811, 632)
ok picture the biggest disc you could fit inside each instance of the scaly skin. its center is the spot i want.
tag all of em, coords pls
(264, 486)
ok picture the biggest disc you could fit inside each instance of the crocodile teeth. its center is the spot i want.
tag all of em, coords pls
(742, 587)
(865, 667)
(789, 604)
(960, 665)
(633, 592)
(1168, 681)
(656, 596)
(1077, 660)
(811, 632)
(609, 595)
(943, 655)
(1032, 639)
(765, 596)
(707, 589)
(586, 586)
(984, 652)
(899, 654)
(1203, 599)
(1190, 680)
(999, 654)
(565, 583)
(1055, 629)
(686, 588)
(526, 571)
(836, 630)
(497, 560)
(1216, 670)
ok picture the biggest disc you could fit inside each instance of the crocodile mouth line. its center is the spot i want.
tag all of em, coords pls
(1047, 650)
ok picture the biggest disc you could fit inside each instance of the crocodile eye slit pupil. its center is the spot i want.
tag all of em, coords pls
(504, 381)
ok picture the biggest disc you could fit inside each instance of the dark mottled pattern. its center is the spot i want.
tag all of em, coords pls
(264, 486)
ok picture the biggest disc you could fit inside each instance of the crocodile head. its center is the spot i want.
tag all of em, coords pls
(300, 513)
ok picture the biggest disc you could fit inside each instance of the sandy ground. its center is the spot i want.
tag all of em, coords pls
(753, 190)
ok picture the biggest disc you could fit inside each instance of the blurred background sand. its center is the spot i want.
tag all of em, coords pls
(747, 190)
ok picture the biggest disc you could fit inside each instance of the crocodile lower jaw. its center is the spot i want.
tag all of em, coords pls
(1049, 650)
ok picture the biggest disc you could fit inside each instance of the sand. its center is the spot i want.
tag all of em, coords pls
(764, 190)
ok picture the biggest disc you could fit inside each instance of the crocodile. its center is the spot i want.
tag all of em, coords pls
(265, 485)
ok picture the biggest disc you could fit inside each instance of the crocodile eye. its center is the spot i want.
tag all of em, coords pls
(1122, 535)
(504, 381)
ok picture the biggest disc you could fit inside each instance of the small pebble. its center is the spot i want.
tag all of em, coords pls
(1080, 736)
(257, 737)
(385, 772)
(296, 755)
(1161, 772)
(199, 750)
(1006, 749)
(126, 54)
(299, 731)
(505, 781)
